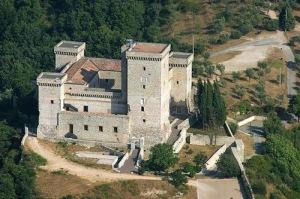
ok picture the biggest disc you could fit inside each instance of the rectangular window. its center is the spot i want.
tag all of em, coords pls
(142, 108)
(144, 120)
(52, 101)
(177, 82)
(116, 129)
(85, 109)
(142, 101)
(101, 128)
(144, 68)
(86, 127)
(144, 86)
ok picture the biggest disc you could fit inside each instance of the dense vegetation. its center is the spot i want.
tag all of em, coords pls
(17, 174)
(279, 166)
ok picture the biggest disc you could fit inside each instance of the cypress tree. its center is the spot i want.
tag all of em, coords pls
(209, 105)
(286, 18)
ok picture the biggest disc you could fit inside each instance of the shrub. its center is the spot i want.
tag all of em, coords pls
(177, 178)
(245, 28)
(233, 127)
(223, 37)
(276, 195)
(200, 159)
(259, 187)
(270, 24)
(189, 168)
(36, 159)
(235, 34)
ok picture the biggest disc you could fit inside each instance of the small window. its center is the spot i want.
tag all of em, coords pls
(144, 86)
(116, 129)
(101, 128)
(85, 109)
(86, 127)
(67, 108)
(144, 120)
(177, 82)
(142, 109)
(144, 68)
(52, 101)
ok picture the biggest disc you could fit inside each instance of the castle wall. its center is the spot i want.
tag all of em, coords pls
(93, 120)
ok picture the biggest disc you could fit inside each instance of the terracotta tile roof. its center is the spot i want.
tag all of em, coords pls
(149, 47)
(107, 64)
(85, 69)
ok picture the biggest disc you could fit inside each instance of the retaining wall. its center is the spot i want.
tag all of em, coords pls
(210, 140)
(250, 119)
(177, 146)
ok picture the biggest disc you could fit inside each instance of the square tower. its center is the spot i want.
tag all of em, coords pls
(148, 91)
(68, 52)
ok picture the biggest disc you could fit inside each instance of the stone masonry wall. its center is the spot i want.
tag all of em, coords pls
(93, 121)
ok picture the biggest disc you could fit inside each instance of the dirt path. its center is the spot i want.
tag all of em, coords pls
(55, 162)
(254, 50)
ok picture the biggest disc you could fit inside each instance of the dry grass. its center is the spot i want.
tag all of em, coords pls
(224, 57)
(273, 89)
(68, 151)
(52, 185)
(248, 143)
(189, 151)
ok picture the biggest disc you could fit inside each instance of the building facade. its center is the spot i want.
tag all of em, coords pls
(114, 102)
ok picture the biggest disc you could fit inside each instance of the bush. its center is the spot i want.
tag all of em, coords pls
(270, 24)
(228, 166)
(276, 195)
(233, 127)
(259, 187)
(235, 34)
(177, 178)
(36, 159)
(200, 159)
(245, 28)
(189, 168)
(223, 37)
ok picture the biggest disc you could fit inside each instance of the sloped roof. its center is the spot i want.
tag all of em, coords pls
(86, 68)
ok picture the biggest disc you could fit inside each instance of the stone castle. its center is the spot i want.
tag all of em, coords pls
(114, 102)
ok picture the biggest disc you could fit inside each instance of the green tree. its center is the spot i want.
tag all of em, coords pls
(210, 70)
(161, 157)
(235, 76)
(240, 91)
(200, 159)
(221, 69)
(228, 165)
(177, 178)
(273, 125)
(260, 92)
(294, 105)
(286, 18)
(189, 168)
(250, 73)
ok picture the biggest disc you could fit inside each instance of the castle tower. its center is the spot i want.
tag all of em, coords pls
(148, 91)
(181, 83)
(51, 101)
(68, 52)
